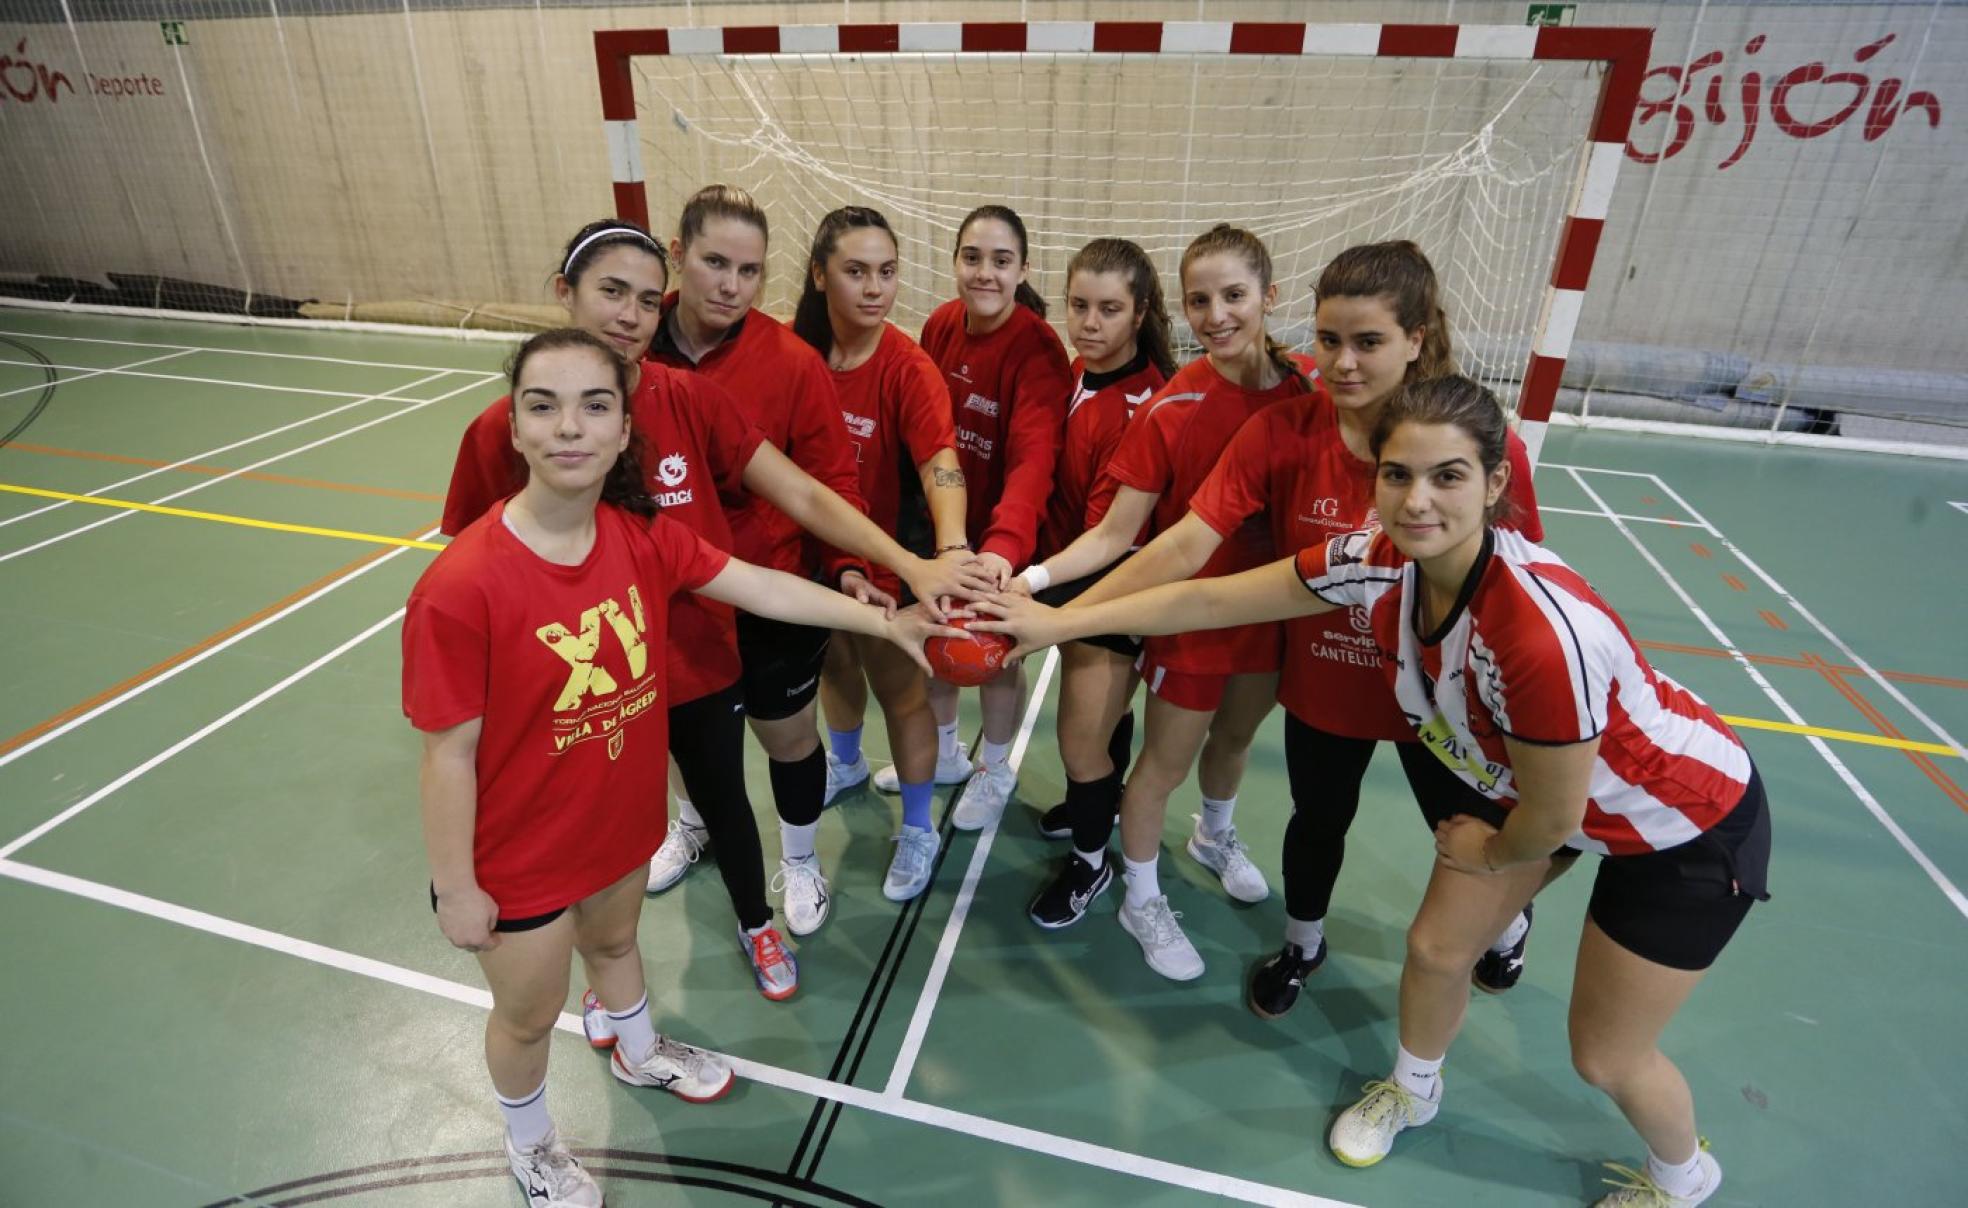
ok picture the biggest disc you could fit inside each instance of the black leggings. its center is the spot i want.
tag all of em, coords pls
(1326, 771)
(707, 740)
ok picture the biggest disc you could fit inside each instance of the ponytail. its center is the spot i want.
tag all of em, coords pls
(1397, 271)
(1025, 295)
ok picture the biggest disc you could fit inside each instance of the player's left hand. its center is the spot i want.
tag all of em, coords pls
(1460, 840)
(1032, 625)
(855, 586)
(913, 626)
(995, 568)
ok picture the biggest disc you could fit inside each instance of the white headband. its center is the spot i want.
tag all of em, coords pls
(604, 233)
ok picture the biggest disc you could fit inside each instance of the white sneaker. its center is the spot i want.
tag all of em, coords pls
(692, 1074)
(1365, 1132)
(550, 1176)
(1168, 951)
(954, 770)
(915, 858)
(1635, 1189)
(984, 798)
(844, 776)
(680, 850)
(806, 901)
(1227, 857)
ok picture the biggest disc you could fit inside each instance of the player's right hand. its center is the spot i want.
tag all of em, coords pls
(467, 917)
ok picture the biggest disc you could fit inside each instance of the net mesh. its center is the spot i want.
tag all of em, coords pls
(1473, 160)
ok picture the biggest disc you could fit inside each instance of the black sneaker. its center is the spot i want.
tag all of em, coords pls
(1054, 824)
(1496, 972)
(1064, 902)
(1274, 984)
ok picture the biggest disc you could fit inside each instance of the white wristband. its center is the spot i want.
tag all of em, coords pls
(1036, 577)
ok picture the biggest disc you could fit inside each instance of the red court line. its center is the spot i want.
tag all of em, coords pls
(1778, 660)
(1773, 620)
(1702, 551)
(1735, 583)
(257, 476)
(192, 651)
(1884, 725)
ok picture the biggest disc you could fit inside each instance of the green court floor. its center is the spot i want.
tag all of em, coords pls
(224, 985)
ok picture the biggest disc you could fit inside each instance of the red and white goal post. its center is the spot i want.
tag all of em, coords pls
(1494, 147)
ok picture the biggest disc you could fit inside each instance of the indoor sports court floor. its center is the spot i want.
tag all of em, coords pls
(223, 982)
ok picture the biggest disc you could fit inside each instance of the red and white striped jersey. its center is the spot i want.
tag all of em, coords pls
(1532, 652)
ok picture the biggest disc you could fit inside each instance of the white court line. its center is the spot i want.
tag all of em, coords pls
(1957, 505)
(946, 948)
(1547, 508)
(239, 352)
(1947, 887)
(1851, 656)
(81, 376)
(83, 371)
(208, 483)
(1558, 465)
(203, 732)
(238, 444)
(214, 650)
(980, 1127)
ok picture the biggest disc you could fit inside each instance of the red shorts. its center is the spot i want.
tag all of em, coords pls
(1183, 689)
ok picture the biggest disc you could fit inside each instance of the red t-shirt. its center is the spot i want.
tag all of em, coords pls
(1290, 461)
(1095, 418)
(1532, 653)
(898, 417)
(1008, 394)
(574, 748)
(695, 447)
(1168, 451)
(783, 387)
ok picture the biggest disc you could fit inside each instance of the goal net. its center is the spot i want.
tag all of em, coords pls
(1494, 148)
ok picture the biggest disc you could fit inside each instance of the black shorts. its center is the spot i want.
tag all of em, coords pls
(1058, 595)
(1442, 794)
(532, 922)
(1679, 907)
(782, 665)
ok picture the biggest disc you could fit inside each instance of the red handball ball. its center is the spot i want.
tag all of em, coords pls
(965, 662)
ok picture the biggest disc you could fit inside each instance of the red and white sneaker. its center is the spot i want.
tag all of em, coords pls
(595, 1023)
(692, 1074)
(774, 967)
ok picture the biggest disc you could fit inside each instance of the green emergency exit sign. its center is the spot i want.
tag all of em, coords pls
(174, 33)
(1551, 14)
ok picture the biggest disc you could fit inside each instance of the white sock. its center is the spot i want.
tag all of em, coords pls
(1143, 882)
(1096, 858)
(687, 813)
(1423, 1078)
(1216, 814)
(1679, 1179)
(996, 754)
(634, 1033)
(527, 1121)
(1513, 933)
(946, 743)
(1308, 936)
(796, 842)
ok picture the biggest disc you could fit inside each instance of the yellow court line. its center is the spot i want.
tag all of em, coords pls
(1747, 723)
(221, 518)
(1870, 740)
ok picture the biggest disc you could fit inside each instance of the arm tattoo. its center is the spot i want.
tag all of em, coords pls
(946, 478)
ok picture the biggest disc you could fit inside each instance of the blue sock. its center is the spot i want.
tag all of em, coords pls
(915, 805)
(846, 744)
